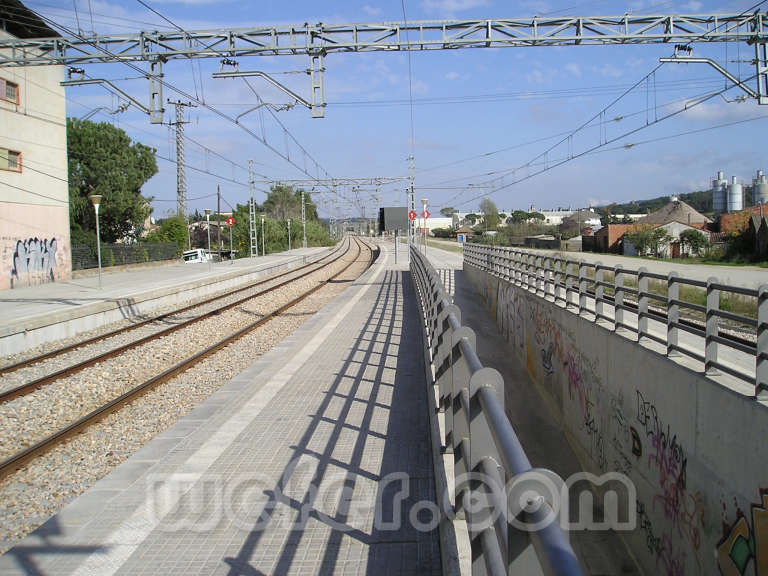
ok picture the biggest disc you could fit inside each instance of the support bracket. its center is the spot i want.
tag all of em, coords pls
(761, 95)
(316, 103)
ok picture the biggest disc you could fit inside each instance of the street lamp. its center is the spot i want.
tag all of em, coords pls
(208, 225)
(96, 200)
(263, 248)
(289, 234)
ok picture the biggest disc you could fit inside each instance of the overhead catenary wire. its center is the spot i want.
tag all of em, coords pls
(554, 164)
(185, 95)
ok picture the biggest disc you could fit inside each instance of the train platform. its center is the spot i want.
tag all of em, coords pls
(314, 460)
(33, 315)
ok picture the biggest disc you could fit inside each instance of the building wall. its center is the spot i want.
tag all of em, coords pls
(694, 450)
(608, 237)
(738, 222)
(34, 204)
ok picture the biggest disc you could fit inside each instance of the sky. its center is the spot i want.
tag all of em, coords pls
(485, 122)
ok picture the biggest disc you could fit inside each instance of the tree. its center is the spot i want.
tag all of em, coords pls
(448, 211)
(103, 160)
(647, 239)
(281, 202)
(471, 218)
(695, 240)
(172, 229)
(490, 213)
(518, 216)
(536, 216)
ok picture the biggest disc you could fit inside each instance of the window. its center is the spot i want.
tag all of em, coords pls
(10, 160)
(9, 91)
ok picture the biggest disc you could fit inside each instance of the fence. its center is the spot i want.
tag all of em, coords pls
(484, 446)
(627, 303)
(84, 256)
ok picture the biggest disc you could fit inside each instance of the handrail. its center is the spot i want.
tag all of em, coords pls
(582, 288)
(483, 442)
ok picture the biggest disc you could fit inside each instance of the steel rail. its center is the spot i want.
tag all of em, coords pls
(15, 462)
(81, 343)
(33, 385)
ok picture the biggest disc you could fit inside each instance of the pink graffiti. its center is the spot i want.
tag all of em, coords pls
(673, 560)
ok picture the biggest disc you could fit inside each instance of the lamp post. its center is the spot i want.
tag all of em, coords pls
(263, 248)
(96, 200)
(208, 225)
(289, 234)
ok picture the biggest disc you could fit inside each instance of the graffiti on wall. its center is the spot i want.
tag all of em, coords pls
(743, 545)
(33, 261)
(625, 432)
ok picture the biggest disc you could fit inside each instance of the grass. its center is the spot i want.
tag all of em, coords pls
(446, 246)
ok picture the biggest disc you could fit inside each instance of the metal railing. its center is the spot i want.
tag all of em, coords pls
(487, 454)
(626, 302)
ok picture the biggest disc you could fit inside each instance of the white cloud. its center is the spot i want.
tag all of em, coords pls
(574, 69)
(609, 71)
(452, 75)
(371, 10)
(451, 7)
(692, 6)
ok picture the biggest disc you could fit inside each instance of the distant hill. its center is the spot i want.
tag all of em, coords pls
(701, 201)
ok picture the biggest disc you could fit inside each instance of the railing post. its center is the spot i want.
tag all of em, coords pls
(618, 297)
(642, 303)
(568, 282)
(582, 286)
(548, 275)
(460, 436)
(761, 358)
(539, 277)
(673, 313)
(712, 331)
(557, 270)
(599, 291)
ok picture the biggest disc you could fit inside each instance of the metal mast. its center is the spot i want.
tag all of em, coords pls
(253, 227)
(303, 221)
(181, 178)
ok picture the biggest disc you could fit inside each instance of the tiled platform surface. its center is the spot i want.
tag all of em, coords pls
(315, 460)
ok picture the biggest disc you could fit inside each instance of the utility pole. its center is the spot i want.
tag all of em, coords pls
(252, 214)
(181, 179)
(303, 220)
(218, 215)
(412, 203)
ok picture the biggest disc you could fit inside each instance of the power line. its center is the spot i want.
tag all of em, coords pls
(554, 164)
(184, 94)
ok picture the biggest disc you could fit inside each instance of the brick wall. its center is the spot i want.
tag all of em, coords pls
(738, 222)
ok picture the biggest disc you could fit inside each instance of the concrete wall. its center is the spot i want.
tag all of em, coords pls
(696, 452)
(34, 203)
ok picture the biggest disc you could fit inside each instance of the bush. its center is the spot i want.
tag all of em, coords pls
(443, 233)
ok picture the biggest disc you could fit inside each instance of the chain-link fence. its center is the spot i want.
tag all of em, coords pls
(84, 256)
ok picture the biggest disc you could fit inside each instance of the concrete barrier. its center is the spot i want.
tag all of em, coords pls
(696, 451)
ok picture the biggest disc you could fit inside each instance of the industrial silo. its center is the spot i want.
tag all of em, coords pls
(735, 196)
(719, 191)
(759, 189)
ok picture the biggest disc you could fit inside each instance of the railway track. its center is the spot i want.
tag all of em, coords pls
(27, 387)
(18, 459)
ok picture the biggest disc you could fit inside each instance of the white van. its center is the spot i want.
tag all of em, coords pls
(194, 256)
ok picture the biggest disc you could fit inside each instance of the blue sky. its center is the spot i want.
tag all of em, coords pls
(505, 105)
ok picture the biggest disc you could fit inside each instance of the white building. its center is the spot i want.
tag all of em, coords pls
(34, 198)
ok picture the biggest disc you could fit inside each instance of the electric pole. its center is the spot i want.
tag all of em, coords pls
(181, 179)
(303, 220)
(218, 214)
(252, 214)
